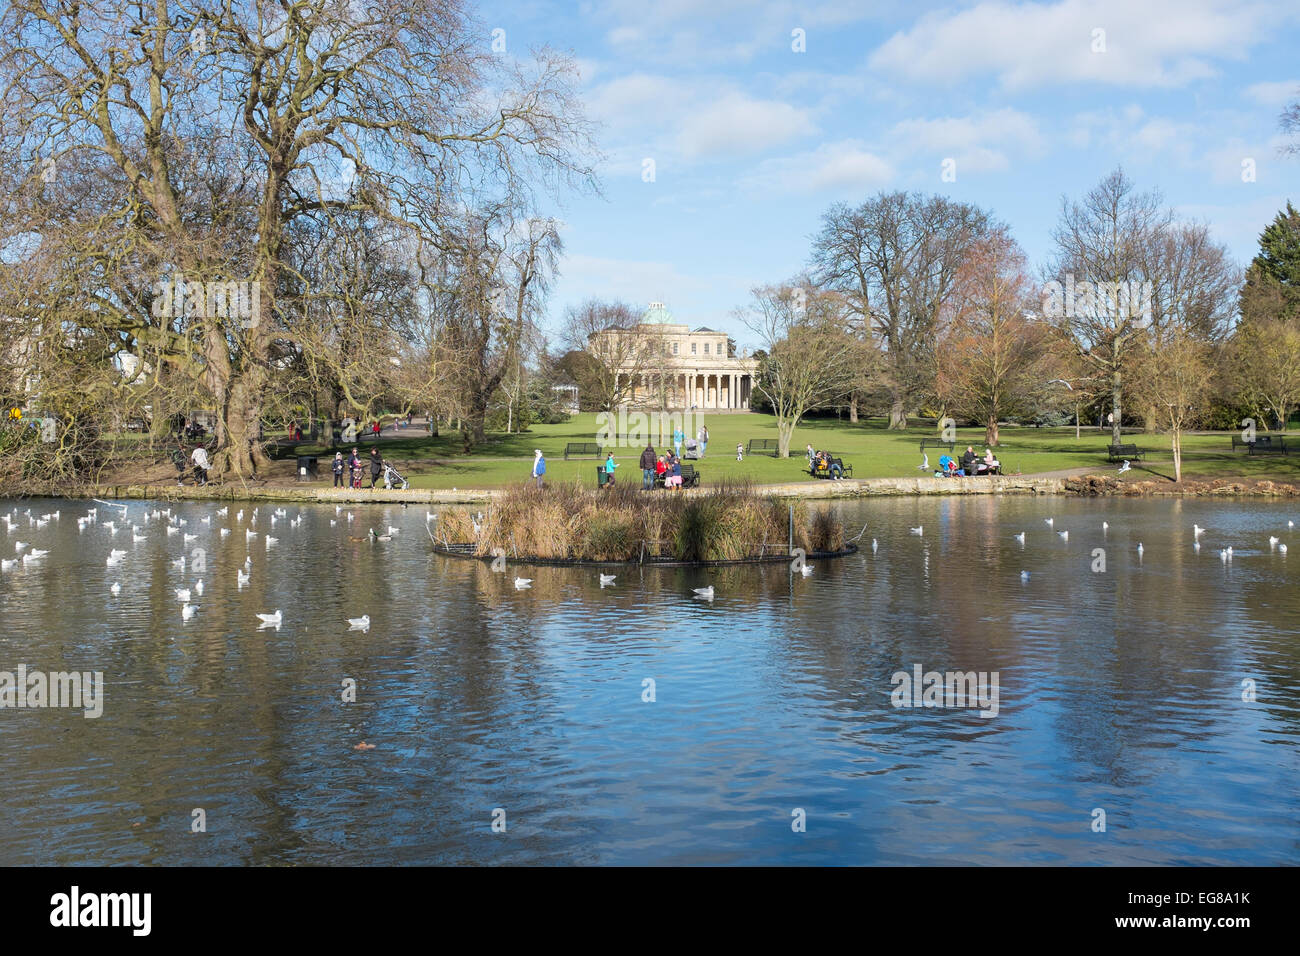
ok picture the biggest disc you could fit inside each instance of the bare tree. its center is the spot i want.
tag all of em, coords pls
(809, 358)
(1176, 379)
(616, 351)
(894, 260)
(1103, 245)
(993, 360)
(400, 94)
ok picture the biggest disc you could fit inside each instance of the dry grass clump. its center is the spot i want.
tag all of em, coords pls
(570, 522)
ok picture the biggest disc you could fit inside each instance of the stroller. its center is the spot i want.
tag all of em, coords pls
(692, 450)
(392, 479)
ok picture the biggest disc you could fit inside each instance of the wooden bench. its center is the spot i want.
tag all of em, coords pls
(582, 449)
(690, 477)
(1239, 442)
(1268, 445)
(764, 446)
(937, 443)
(846, 471)
(1124, 453)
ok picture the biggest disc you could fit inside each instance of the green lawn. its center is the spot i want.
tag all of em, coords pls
(873, 451)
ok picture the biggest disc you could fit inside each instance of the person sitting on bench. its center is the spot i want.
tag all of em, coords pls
(968, 461)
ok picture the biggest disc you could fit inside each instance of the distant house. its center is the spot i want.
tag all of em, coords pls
(692, 368)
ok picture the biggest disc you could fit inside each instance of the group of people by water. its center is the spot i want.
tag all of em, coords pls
(356, 468)
(971, 464)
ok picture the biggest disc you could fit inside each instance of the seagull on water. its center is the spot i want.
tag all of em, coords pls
(1272, 542)
(607, 579)
(250, 535)
(116, 588)
(270, 620)
(1024, 575)
(1197, 531)
(1019, 537)
(270, 541)
(19, 545)
(34, 555)
(521, 583)
(198, 588)
(1063, 535)
(806, 569)
(241, 577)
(187, 611)
(6, 563)
(874, 544)
(1140, 549)
(361, 623)
(1281, 549)
(704, 594)
(1049, 521)
(1105, 526)
(223, 512)
(919, 529)
(183, 595)
(179, 563)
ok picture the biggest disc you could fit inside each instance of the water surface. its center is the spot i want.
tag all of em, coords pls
(1119, 690)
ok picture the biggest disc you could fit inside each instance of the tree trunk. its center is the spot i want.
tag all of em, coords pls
(991, 431)
(1178, 454)
(1115, 382)
(897, 414)
(784, 431)
(853, 410)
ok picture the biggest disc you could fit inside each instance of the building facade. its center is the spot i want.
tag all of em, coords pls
(685, 368)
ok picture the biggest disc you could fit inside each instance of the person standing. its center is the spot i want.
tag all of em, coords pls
(338, 469)
(679, 436)
(703, 438)
(610, 465)
(201, 464)
(648, 467)
(354, 469)
(376, 466)
(539, 466)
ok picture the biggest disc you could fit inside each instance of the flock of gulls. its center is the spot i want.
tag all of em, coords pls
(165, 522)
(171, 526)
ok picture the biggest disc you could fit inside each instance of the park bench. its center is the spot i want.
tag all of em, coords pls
(1124, 453)
(937, 443)
(582, 449)
(764, 446)
(1268, 445)
(690, 477)
(846, 471)
(1239, 442)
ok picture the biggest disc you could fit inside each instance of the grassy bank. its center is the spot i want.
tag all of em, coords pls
(572, 522)
(874, 452)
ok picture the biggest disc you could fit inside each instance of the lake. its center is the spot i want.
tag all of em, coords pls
(636, 724)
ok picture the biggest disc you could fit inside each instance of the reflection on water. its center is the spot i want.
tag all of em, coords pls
(1119, 689)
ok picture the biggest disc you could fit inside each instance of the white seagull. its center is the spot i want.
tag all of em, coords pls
(1063, 535)
(270, 620)
(606, 579)
(116, 588)
(919, 529)
(521, 583)
(1019, 537)
(925, 462)
(1049, 521)
(187, 611)
(241, 578)
(1125, 467)
(361, 623)
(183, 595)
(705, 594)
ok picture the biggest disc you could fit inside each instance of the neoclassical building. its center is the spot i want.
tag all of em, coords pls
(687, 368)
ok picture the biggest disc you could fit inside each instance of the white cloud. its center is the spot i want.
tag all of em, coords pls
(842, 167)
(736, 124)
(977, 143)
(1277, 94)
(1157, 43)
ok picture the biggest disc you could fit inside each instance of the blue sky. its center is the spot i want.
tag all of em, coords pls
(751, 140)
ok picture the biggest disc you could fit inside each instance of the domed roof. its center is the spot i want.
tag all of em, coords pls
(657, 314)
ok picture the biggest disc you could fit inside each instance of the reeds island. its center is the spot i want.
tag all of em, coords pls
(730, 522)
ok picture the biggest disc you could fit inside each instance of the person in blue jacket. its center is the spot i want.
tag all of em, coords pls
(539, 466)
(610, 465)
(678, 437)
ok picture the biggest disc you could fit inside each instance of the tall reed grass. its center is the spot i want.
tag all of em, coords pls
(728, 522)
